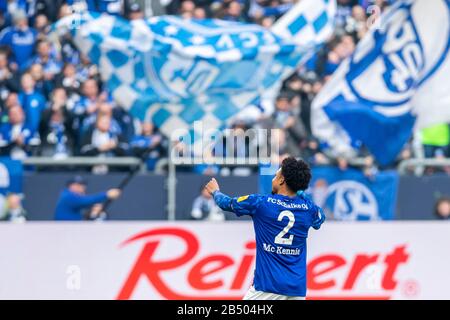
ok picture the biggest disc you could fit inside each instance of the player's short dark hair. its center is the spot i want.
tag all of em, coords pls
(296, 173)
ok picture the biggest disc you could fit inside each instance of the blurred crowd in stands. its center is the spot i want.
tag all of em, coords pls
(54, 104)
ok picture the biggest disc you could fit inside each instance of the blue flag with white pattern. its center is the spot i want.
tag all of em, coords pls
(176, 71)
(396, 80)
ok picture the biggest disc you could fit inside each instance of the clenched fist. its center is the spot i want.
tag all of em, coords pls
(212, 186)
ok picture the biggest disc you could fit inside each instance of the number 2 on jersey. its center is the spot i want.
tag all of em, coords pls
(279, 238)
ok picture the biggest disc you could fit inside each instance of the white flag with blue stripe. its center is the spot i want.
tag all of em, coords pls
(178, 71)
(397, 80)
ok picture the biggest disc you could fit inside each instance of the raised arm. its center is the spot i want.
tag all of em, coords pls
(245, 205)
(319, 218)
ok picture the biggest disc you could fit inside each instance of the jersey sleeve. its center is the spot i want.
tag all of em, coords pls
(245, 205)
(318, 218)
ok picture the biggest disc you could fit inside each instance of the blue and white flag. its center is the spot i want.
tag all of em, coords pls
(178, 71)
(397, 79)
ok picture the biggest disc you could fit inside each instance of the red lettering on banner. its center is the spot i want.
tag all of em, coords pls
(207, 273)
(244, 267)
(392, 262)
(147, 267)
(315, 270)
(361, 262)
(198, 273)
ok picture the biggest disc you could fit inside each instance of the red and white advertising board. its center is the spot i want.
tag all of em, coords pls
(160, 260)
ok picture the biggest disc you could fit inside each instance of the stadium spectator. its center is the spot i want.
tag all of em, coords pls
(13, 210)
(286, 117)
(267, 22)
(199, 13)
(64, 11)
(20, 39)
(84, 103)
(100, 140)
(357, 24)
(55, 128)
(148, 145)
(435, 140)
(204, 208)
(344, 11)
(73, 199)
(237, 142)
(69, 80)
(50, 8)
(442, 208)
(43, 86)
(88, 103)
(49, 60)
(9, 81)
(104, 109)
(339, 48)
(41, 25)
(135, 12)
(311, 153)
(69, 52)
(112, 7)
(11, 100)
(233, 12)
(86, 70)
(32, 101)
(17, 139)
(127, 123)
(187, 9)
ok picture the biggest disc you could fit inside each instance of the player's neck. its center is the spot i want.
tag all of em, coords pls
(288, 193)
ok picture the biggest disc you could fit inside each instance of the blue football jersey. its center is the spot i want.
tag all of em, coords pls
(281, 228)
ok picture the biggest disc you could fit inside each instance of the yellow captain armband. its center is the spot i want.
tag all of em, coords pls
(242, 198)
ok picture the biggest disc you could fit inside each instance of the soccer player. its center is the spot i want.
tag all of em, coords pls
(281, 221)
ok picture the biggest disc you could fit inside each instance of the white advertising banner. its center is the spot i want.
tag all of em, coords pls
(161, 260)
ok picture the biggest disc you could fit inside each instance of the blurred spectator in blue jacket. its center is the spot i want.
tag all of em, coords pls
(21, 39)
(33, 103)
(48, 59)
(73, 199)
(16, 139)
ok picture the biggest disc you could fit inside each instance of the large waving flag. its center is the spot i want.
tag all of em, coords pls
(398, 79)
(178, 71)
